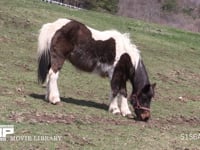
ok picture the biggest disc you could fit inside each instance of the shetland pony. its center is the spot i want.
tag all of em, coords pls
(107, 53)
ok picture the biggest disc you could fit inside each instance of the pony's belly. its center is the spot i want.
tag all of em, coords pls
(82, 60)
(104, 70)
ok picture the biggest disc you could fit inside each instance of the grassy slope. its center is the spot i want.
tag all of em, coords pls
(171, 57)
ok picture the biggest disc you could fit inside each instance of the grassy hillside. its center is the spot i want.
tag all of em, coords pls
(172, 60)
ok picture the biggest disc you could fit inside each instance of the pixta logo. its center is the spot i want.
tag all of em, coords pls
(5, 130)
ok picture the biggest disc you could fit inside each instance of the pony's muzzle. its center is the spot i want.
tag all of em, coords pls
(145, 115)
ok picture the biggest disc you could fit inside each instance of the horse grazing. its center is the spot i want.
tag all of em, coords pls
(107, 53)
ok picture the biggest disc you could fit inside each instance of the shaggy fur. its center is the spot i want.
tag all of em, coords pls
(107, 53)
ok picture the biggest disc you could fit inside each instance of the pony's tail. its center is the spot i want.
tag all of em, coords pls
(44, 59)
(44, 44)
(44, 64)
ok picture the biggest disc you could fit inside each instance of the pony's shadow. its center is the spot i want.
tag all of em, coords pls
(79, 102)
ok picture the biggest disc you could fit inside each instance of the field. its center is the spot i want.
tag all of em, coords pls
(171, 57)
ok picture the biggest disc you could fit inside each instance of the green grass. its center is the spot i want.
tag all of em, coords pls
(171, 57)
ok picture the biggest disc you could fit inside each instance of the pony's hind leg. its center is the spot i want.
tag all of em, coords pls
(52, 88)
(60, 48)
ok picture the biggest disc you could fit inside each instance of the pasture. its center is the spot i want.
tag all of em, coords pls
(171, 57)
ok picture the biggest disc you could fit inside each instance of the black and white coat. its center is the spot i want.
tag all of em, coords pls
(107, 53)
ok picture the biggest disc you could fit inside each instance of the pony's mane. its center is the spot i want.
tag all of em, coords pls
(131, 49)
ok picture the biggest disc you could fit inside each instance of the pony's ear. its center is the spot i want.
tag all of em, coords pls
(149, 88)
(146, 88)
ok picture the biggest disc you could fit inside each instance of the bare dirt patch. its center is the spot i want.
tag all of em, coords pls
(177, 76)
(36, 117)
(5, 91)
(173, 121)
(107, 121)
(4, 39)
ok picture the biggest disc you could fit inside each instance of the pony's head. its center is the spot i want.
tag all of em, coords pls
(141, 102)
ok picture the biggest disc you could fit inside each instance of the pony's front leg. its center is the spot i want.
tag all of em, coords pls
(125, 111)
(124, 108)
(114, 108)
(118, 86)
(52, 88)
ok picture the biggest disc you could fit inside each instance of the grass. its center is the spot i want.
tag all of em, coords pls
(170, 55)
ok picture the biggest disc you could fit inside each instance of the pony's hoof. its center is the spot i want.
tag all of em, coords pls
(115, 111)
(130, 116)
(126, 113)
(57, 103)
(55, 100)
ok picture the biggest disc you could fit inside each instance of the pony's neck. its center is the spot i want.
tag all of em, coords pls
(140, 78)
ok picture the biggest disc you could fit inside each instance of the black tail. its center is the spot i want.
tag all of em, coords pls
(44, 64)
